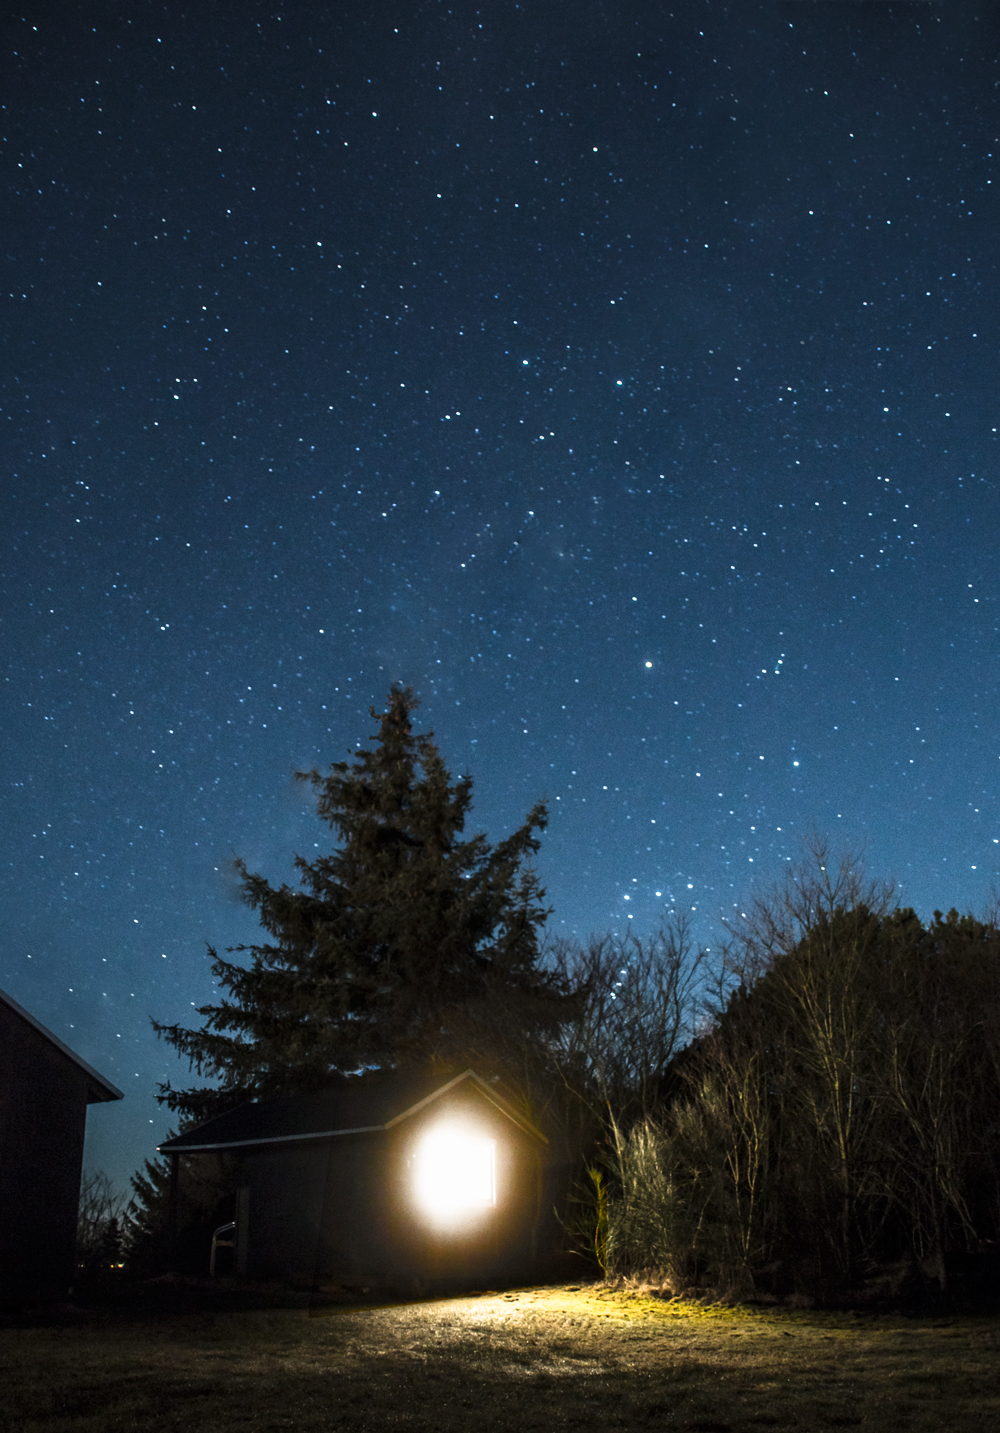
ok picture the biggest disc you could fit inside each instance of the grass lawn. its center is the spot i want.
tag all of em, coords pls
(540, 1358)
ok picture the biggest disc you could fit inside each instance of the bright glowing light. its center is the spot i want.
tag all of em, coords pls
(454, 1173)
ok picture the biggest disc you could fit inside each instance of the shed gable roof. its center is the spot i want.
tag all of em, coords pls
(98, 1088)
(359, 1105)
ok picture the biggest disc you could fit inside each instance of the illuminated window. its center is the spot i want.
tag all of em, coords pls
(454, 1173)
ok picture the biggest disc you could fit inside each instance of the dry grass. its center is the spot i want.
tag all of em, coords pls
(543, 1358)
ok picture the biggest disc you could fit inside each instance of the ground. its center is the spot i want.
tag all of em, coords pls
(548, 1358)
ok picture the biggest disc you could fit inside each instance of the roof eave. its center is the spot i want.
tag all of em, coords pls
(99, 1090)
(178, 1146)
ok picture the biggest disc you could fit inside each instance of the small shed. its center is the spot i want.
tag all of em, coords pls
(394, 1180)
(45, 1089)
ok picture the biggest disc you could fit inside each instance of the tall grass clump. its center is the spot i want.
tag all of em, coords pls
(648, 1234)
(678, 1214)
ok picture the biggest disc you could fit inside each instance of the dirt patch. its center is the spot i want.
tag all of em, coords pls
(538, 1358)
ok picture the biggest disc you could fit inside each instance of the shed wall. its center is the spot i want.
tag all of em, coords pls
(497, 1246)
(283, 1203)
(340, 1209)
(43, 1113)
(372, 1232)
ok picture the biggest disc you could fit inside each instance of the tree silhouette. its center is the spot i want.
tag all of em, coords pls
(405, 942)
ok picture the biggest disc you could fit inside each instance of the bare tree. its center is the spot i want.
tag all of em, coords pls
(940, 1036)
(638, 1003)
(811, 894)
(102, 1225)
(810, 951)
(839, 1113)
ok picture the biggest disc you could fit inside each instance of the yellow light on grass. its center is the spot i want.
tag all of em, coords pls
(454, 1174)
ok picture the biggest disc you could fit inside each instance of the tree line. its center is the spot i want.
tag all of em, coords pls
(835, 1126)
(812, 1107)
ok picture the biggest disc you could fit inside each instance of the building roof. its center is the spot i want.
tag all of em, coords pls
(98, 1088)
(359, 1104)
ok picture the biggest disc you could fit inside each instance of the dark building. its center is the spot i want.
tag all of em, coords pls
(44, 1093)
(388, 1181)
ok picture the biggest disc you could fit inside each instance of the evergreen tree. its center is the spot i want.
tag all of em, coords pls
(405, 942)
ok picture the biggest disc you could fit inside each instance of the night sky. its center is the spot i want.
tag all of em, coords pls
(622, 377)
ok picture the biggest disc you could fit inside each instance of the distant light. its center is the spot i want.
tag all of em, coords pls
(454, 1174)
(649, 664)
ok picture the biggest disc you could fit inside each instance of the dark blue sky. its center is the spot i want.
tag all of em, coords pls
(621, 377)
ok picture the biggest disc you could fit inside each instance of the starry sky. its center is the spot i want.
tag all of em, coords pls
(621, 377)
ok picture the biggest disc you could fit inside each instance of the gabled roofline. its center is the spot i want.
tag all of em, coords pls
(494, 1096)
(176, 1146)
(170, 1146)
(102, 1089)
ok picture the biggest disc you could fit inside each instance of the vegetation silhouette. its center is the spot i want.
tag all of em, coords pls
(833, 1129)
(401, 944)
